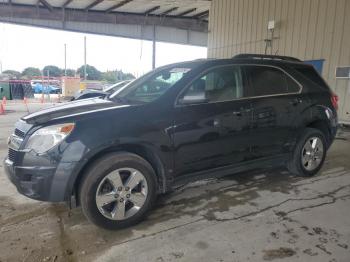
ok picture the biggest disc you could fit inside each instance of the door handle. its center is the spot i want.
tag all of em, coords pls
(296, 101)
(237, 113)
(216, 122)
(241, 111)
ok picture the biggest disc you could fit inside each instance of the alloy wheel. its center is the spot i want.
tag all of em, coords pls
(121, 193)
(312, 153)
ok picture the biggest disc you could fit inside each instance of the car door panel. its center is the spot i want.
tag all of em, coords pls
(214, 133)
(211, 135)
(277, 102)
(271, 125)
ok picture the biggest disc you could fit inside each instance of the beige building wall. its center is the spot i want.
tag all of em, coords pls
(306, 29)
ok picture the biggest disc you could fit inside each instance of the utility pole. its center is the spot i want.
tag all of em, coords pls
(65, 59)
(154, 48)
(85, 58)
(48, 85)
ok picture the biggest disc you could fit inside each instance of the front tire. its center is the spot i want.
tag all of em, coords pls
(309, 153)
(118, 190)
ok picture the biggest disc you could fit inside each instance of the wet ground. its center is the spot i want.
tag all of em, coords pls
(262, 215)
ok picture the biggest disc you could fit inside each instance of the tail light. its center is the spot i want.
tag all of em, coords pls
(334, 100)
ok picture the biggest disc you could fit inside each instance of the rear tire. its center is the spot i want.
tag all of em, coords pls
(118, 190)
(309, 153)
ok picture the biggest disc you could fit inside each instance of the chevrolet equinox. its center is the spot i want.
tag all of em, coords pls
(179, 123)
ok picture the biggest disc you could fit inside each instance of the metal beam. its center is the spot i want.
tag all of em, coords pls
(67, 3)
(151, 10)
(201, 15)
(94, 3)
(187, 12)
(93, 16)
(46, 4)
(116, 6)
(169, 11)
(164, 34)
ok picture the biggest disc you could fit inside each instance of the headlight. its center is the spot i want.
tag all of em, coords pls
(47, 137)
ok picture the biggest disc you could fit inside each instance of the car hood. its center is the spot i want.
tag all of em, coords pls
(79, 107)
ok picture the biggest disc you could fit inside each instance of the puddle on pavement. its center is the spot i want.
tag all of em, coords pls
(279, 253)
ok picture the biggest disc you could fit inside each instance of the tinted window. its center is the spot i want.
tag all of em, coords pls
(292, 86)
(267, 80)
(311, 74)
(219, 84)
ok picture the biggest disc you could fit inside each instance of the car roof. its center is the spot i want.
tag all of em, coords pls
(243, 59)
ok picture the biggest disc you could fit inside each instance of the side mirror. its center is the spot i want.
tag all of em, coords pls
(194, 98)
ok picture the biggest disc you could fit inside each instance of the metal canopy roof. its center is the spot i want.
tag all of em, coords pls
(195, 9)
(176, 21)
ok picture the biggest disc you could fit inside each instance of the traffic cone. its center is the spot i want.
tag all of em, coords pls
(2, 109)
(4, 100)
(26, 103)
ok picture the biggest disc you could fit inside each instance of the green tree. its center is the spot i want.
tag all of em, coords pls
(91, 71)
(116, 76)
(52, 71)
(109, 76)
(13, 74)
(31, 72)
(70, 72)
(129, 76)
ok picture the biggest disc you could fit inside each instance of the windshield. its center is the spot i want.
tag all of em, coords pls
(151, 86)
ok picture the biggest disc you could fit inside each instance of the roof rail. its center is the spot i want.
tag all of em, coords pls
(261, 56)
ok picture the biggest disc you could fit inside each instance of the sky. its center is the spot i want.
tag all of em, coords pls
(24, 46)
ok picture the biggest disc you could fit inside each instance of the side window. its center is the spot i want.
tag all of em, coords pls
(293, 87)
(311, 74)
(266, 80)
(220, 84)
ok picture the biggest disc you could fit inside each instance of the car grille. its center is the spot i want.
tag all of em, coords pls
(12, 154)
(19, 133)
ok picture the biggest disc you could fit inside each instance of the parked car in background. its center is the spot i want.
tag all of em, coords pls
(38, 88)
(51, 86)
(178, 123)
(90, 93)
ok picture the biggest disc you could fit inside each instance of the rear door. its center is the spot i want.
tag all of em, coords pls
(213, 133)
(277, 101)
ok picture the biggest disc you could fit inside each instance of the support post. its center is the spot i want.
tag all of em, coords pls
(65, 59)
(154, 48)
(85, 58)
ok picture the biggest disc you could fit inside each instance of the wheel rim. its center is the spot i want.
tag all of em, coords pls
(121, 193)
(312, 153)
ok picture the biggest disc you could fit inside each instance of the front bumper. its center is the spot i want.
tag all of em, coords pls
(33, 182)
(46, 177)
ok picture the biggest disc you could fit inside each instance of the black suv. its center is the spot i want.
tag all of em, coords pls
(178, 123)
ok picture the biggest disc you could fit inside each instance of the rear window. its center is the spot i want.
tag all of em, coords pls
(311, 74)
(270, 81)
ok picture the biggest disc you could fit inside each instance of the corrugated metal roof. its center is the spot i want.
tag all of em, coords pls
(177, 8)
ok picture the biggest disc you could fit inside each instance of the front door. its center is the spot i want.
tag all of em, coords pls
(213, 131)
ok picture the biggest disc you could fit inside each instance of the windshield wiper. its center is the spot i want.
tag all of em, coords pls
(125, 100)
(119, 99)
